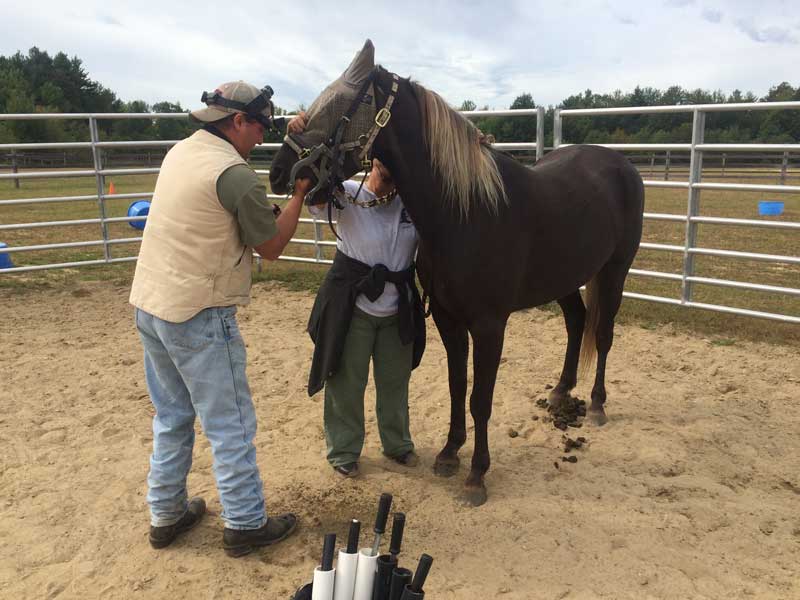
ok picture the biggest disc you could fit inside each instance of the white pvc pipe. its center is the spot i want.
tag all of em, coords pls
(365, 574)
(346, 568)
(323, 584)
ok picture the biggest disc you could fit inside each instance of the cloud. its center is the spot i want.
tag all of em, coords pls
(108, 20)
(485, 53)
(711, 15)
(767, 35)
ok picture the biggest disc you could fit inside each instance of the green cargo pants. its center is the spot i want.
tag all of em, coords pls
(377, 338)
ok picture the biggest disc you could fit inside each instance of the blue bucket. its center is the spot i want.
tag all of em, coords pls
(5, 258)
(140, 208)
(770, 207)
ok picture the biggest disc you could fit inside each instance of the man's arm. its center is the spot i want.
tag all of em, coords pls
(286, 222)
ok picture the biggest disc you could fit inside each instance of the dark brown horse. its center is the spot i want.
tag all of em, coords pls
(496, 236)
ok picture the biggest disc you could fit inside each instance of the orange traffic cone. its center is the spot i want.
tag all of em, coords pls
(111, 189)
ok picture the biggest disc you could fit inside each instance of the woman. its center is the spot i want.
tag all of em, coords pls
(368, 307)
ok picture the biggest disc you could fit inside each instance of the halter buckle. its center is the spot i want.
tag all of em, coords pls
(382, 118)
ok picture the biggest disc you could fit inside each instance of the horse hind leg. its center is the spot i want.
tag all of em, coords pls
(605, 296)
(456, 342)
(574, 318)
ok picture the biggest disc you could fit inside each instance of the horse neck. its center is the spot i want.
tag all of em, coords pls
(401, 148)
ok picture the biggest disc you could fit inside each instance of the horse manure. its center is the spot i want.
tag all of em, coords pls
(568, 411)
(569, 459)
(555, 464)
(570, 444)
(512, 433)
(542, 403)
(548, 387)
(534, 417)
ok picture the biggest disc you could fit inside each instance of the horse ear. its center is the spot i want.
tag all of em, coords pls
(362, 64)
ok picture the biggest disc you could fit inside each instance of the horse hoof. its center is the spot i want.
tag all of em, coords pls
(446, 467)
(556, 399)
(597, 417)
(475, 495)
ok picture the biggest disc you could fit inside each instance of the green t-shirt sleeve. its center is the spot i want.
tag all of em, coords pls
(242, 194)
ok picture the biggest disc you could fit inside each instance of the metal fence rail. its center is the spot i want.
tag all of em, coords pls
(694, 186)
(100, 172)
(689, 249)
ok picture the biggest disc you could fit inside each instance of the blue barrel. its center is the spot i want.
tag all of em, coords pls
(770, 207)
(5, 258)
(140, 208)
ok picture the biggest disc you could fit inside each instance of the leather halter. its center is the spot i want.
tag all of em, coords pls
(326, 160)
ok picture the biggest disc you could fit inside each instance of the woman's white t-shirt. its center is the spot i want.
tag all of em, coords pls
(381, 234)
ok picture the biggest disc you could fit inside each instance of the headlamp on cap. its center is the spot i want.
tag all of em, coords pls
(253, 109)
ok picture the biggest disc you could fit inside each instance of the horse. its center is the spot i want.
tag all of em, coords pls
(495, 236)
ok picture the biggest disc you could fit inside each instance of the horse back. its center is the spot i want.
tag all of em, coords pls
(577, 209)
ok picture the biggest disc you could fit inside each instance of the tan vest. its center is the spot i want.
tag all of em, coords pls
(191, 255)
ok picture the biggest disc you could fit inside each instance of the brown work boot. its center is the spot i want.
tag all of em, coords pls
(347, 470)
(238, 542)
(161, 537)
(408, 459)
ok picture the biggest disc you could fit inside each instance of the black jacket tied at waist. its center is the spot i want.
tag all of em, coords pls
(333, 311)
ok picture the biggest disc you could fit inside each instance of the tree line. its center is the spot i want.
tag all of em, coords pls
(37, 82)
(768, 127)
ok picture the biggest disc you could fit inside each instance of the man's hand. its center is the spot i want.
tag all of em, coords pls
(297, 124)
(302, 187)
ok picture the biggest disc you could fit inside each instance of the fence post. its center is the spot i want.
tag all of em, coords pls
(556, 128)
(666, 165)
(97, 159)
(539, 133)
(724, 160)
(784, 167)
(14, 168)
(652, 162)
(317, 238)
(693, 204)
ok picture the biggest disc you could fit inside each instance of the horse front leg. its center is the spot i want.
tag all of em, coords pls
(487, 338)
(574, 318)
(456, 342)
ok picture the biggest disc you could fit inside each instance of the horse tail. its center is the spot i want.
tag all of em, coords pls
(588, 345)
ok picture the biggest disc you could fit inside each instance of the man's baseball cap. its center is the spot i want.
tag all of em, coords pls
(235, 97)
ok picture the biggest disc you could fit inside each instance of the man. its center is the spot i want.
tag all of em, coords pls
(209, 211)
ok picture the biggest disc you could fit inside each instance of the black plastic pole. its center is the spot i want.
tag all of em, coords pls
(398, 525)
(400, 579)
(352, 536)
(384, 506)
(327, 552)
(387, 562)
(415, 591)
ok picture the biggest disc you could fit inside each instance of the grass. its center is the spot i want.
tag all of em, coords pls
(300, 276)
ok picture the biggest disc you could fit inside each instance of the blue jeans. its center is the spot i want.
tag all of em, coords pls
(198, 368)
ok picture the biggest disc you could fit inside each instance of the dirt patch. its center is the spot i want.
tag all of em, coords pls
(690, 490)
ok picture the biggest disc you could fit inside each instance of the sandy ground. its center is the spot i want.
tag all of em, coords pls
(691, 491)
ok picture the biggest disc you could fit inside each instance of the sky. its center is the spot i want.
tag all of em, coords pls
(488, 52)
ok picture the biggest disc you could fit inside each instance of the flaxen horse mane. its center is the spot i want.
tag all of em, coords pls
(466, 166)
